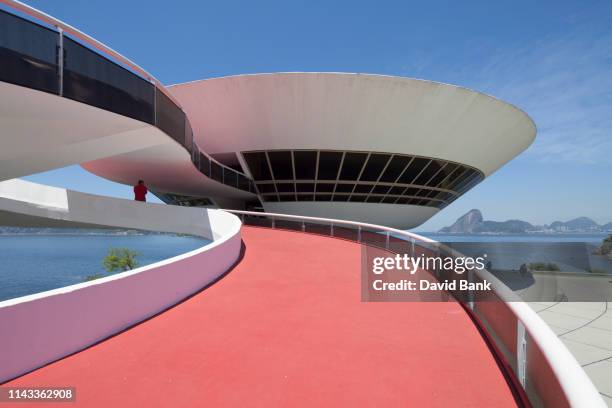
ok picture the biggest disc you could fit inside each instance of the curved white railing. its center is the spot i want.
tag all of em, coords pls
(44, 327)
(543, 367)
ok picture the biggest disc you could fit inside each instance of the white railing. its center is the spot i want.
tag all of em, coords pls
(541, 365)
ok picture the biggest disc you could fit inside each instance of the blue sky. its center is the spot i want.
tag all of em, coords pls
(551, 58)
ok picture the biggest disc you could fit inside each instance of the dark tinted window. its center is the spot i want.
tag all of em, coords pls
(374, 199)
(323, 197)
(344, 188)
(230, 177)
(327, 188)
(169, 117)
(443, 174)
(428, 172)
(352, 165)
(413, 170)
(204, 165)
(397, 190)
(411, 191)
(389, 200)
(92, 79)
(381, 189)
(216, 172)
(258, 165)
(363, 188)
(285, 187)
(305, 164)
(358, 198)
(305, 197)
(282, 166)
(395, 168)
(374, 167)
(266, 188)
(27, 52)
(329, 162)
(341, 197)
(304, 187)
(458, 175)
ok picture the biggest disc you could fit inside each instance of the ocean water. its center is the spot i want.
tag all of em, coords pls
(36, 263)
(570, 252)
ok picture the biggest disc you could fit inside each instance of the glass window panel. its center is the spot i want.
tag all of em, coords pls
(230, 177)
(216, 172)
(363, 188)
(429, 171)
(285, 187)
(266, 188)
(329, 162)
(95, 80)
(457, 177)
(344, 188)
(243, 182)
(325, 187)
(443, 174)
(258, 165)
(305, 187)
(323, 197)
(352, 165)
(305, 164)
(282, 167)
(305, 197)
(204, 165)
(374, 167)
(395, 168)
(389, 200)
(381, 189)
(413, 170)
(397, 190)
(27, 52)
(403, 200)
(374, 199)
(341, 197)
(358, 198)
(411, 191)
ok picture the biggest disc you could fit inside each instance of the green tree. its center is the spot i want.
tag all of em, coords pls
(120, 259)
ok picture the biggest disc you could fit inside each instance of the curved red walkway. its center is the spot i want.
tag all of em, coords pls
(286, 327)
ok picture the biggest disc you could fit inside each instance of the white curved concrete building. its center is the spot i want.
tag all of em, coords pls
(379, 149)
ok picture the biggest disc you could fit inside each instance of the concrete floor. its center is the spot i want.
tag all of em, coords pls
(586, 330)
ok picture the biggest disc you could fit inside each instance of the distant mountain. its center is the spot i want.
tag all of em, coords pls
(473, 222)
(580, 223)
(4, 230)
(466, 223)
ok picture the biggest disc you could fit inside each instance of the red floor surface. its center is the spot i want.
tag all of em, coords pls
(286, 328)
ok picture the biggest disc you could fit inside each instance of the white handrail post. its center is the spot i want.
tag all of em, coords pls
(521, 352)
(470, 277)
(331, 232)
(387, 240)
(359, 233)
(273, 223)
(303, 226)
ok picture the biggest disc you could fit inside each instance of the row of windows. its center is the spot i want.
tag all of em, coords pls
(315, 175)
(356, 198)
(287, 165)
(222, 174)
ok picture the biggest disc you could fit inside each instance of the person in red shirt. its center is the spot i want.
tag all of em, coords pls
(140, 191)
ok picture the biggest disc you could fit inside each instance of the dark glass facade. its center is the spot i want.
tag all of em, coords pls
(324, 175)
(41, 58)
